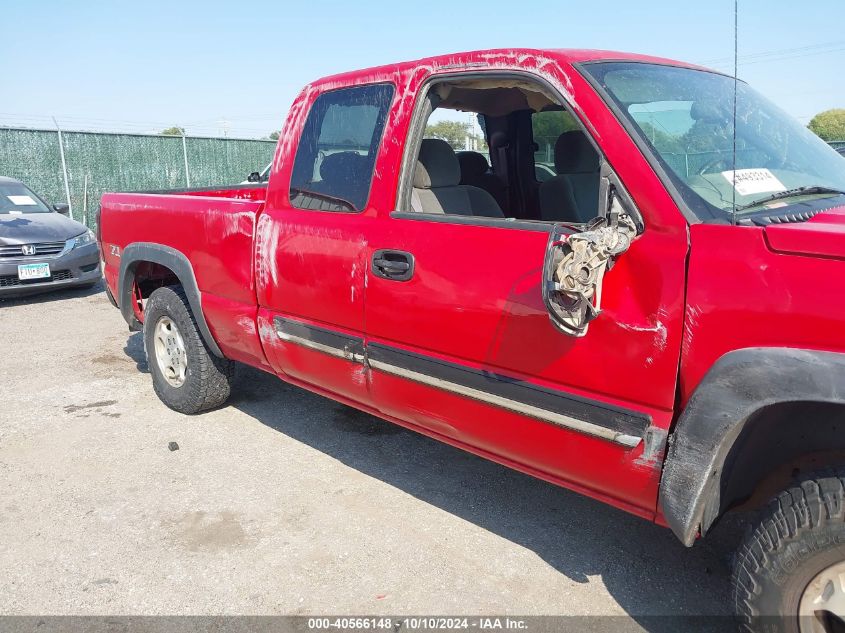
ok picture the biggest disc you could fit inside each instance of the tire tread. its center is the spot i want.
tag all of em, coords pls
(791, 517)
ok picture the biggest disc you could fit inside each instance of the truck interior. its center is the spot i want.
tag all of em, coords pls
(533, 162)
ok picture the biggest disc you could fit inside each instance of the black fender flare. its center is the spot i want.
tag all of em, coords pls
(739, 384)
(176, 261)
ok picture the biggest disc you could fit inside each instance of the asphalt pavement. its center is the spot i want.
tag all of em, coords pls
(284, 502)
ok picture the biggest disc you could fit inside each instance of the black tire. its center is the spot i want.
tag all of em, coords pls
(799, 535)
(208, 378)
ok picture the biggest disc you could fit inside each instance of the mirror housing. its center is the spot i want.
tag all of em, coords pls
(577, 260)
(254, 177)
(62, 208)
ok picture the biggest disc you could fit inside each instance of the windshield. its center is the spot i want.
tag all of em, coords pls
(684, 117)
(15, 199)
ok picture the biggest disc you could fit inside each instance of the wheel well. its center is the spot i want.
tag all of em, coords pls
(146, 278)
(778, 444)
(150, 276)
(146, 267)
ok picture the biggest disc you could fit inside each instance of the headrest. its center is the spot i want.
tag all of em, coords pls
(341, 166)
(473, 165)
(437, 165)
(708, 112)
(574, 154)
(498, 139)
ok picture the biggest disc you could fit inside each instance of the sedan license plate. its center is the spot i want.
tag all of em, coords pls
(33, 271)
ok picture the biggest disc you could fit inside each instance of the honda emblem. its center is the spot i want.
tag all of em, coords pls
(28, 249)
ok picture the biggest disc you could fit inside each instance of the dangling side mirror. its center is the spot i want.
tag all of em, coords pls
(576, 261)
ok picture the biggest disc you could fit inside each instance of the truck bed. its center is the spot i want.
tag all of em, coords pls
(214, 229)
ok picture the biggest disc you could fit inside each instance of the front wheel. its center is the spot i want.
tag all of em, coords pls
(187, 376)
(789, 573)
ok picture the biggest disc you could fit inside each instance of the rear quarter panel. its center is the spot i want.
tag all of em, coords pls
(215, 234)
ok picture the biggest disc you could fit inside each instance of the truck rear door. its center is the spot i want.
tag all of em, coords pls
(311, 242)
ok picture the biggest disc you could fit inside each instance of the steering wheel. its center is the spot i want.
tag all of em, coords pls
(706, 168)
(782, 163)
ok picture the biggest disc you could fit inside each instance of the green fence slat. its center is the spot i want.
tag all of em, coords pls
(124, 162)
(33, 157)
(215, 161)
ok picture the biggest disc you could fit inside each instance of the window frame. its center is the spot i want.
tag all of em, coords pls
(416, 132)
(376, 147)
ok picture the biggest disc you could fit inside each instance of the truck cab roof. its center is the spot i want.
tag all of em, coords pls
(488, 57)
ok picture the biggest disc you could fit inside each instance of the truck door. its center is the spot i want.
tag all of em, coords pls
(460, 343)
(311, 242)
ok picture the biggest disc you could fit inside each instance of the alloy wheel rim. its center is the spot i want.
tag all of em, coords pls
(170, 352)
(822, 606)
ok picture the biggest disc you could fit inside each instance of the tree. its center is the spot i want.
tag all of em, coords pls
(173, 131)
(662, 140)
(547, 126)
(453, 132)
(274, 136)
(829, 125)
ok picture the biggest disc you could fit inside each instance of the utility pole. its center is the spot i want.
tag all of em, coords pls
(64, 168)
(185, 156)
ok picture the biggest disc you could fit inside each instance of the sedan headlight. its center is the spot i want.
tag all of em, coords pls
(82, 240)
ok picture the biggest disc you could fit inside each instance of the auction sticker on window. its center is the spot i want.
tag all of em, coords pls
(752, 181)
(22, 201)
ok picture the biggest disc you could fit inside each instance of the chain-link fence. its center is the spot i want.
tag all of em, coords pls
(95, 162)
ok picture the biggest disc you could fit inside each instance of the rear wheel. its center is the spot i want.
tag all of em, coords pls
(789, 573)
(187, 376)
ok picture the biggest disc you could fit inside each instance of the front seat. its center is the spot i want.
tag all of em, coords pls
(572, 195)
(437, 187)
(342, 174)
(475, 171)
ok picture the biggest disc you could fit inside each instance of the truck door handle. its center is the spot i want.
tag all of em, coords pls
(393, 265)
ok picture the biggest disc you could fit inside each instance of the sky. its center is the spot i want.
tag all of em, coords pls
(234, 68)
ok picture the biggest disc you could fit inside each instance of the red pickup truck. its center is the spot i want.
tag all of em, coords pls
(636, 290)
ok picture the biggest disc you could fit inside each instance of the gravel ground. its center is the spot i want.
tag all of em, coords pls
(284, 502)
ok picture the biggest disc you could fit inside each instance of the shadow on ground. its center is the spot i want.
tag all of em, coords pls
(134, 349)
(50, 296)
(642, 565)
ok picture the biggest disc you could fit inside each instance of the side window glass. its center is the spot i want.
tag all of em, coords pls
(337, 151)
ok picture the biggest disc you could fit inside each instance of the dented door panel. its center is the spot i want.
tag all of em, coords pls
(475, 303)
